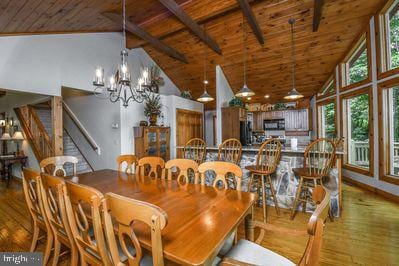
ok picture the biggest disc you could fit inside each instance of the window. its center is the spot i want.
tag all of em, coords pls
(356, 117)
(328, 88)
(389, 130)
(326, 117)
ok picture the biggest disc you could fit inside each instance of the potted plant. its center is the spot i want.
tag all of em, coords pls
(152, 108)
(156, 79)
(236, 102)
(186, 95)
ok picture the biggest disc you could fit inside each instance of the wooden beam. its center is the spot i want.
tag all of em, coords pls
(56, 118)
(156, 43)
(191, 24)
(318, 7)
(246, 9)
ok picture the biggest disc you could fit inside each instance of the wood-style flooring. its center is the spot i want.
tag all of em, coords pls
(366, 234)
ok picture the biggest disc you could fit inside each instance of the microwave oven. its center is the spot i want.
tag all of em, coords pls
(274, 124)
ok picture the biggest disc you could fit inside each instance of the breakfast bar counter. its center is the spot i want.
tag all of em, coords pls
(284, 181)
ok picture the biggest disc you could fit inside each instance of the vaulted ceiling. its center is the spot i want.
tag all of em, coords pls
(269, 65)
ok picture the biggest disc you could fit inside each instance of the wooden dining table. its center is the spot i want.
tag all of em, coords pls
(200, 218)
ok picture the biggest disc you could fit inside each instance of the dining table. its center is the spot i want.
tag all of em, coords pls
(200, 218)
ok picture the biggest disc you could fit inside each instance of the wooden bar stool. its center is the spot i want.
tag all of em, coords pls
(195, 149)
(318, 159)
(266, 164)
(230, 151)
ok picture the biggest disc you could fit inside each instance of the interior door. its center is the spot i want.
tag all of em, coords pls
(189, 125)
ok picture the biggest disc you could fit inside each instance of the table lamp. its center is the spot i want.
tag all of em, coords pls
(17, 137)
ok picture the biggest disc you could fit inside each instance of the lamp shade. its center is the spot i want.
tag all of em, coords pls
(5, 136)
(18, 136)
(245, 92)
(205, 97)
(293, 95)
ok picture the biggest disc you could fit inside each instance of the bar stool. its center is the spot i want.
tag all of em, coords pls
(266, 164)
(230, 151)
(195, 149)
(318, 159)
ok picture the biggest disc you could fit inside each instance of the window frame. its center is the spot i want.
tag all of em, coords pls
(383, 140)
(369, 91)
(364, 39)
(318, 106)
(332, 78)
(383, 51)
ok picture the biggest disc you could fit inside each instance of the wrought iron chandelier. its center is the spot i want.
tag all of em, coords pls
(119, 86)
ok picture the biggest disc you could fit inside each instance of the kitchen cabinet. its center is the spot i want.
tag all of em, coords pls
(231, 118)
(297, 120)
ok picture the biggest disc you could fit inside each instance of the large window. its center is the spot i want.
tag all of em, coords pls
(356, 115)
(389, 130)
(328, 88)
(393, 29)
(326, 117)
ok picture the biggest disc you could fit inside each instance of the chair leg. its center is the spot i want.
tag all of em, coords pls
(298, 193)
(273, 195)
(251, 180)
(49, 245)
(305, 189)
(35, 236)
(264, 199)
(57, 248)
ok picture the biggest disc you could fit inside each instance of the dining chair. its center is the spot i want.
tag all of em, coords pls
(195, 149)
(120, 214)
(84, 206)
(53, 192)
(252, 253)
(266, 164)
(222, 171)
(31, 186)
(129, 160)
(318, 159)
(151, 166)
(184, 167)
(58, 165)
(230, 151)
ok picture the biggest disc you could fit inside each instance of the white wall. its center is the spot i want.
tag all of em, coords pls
(224, 94)
(208, 116)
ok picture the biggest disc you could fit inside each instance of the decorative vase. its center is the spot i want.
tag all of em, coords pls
(153, 120)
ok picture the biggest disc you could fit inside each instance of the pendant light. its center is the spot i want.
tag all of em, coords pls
(245, 91)
(293, 94)
(205, 97)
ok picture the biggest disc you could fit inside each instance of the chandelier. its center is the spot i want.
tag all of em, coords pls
(119, 86)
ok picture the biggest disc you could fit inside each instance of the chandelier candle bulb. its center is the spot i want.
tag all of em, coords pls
(99, 77)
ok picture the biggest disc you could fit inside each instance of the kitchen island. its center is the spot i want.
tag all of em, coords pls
(284, 181)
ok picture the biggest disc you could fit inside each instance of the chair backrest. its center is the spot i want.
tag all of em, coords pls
(316, 223)
(58, 164)
(84, 206)
(124, 212)
(150, 166)
(222, 171)
(269, 155)
(129, 159)
(53, 191)
(195, 149)
(319, 157)
(230, 151)
(184, 166)
(31, 184)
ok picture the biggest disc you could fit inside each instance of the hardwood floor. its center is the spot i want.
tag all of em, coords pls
(366, 234)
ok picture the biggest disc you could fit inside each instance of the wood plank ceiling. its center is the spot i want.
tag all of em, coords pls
(269, 65)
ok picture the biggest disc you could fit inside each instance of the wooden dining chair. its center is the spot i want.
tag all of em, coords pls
(120, 215)
(318, 159)
(195, 149)
(266, 164)
(53, 192)
(252, 253)
(222, 171)
(58, 165)
(230, 151)
(84, 206)
(31, 186)
(129, 160)
(151, 166)
(183, 168)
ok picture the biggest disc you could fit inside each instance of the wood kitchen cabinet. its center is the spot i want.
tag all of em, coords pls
(231, 117)
(297, 120)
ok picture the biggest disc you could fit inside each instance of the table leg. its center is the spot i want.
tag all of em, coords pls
(9, 171)
(249, 228)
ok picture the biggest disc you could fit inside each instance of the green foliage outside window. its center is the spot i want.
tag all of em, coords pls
(394, 39)
(396, 114)
(329, 120)
(359, 107)
(358, 70)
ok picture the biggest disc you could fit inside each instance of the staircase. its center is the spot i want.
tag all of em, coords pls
(37, 125)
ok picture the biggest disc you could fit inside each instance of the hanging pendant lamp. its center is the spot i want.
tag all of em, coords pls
(293, 94)
(245, 91)
(205, 97)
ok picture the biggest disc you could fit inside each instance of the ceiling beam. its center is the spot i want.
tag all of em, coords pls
(173, 7)
(155, 42)
(246, 9)
(318, 7)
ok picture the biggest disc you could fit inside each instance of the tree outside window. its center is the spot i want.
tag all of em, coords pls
(394, 36)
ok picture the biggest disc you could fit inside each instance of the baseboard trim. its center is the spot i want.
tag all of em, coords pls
(375, 190)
